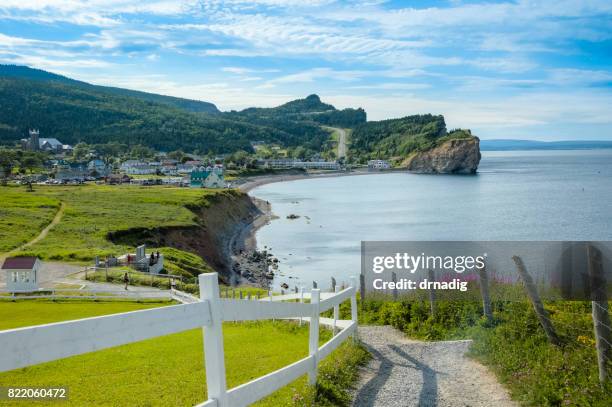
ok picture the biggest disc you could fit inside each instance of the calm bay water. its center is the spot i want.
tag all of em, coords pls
(517, 195)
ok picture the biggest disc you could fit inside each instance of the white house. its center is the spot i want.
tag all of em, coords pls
(378, 165)
(135, 167)
(22, 273)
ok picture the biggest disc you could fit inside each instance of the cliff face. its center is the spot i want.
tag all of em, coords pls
(211, 239)
(457, 156)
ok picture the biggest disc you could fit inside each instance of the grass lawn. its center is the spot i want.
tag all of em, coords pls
(91, 211)
(169, 370)
(23, 216)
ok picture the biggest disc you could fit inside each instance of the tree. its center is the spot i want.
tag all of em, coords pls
(31, 162)
(80, 151)
(176, 155)
(7, 163)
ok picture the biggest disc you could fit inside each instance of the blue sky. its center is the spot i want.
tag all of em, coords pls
(506, 69)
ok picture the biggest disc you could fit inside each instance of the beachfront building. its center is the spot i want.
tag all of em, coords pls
(137, 167)
(378, 165)
(207, 177)
(289, 163)
(22, 273)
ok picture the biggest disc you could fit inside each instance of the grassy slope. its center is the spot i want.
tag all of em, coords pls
(168, 371)
(91, 212)
(23, 216)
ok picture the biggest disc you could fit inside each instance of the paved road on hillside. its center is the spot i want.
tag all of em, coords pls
(405, 372)
(341, 142)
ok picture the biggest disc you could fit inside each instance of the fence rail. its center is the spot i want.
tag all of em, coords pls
(23, 347)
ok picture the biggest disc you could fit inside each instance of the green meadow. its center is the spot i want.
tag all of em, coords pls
(90, 213)
(23, 216)
(169, 370)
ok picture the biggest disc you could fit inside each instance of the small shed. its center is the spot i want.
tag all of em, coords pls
(22, 273)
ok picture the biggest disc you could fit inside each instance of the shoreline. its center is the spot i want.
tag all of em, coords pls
(249, 265)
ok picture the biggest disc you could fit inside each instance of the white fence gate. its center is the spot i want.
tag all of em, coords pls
(23, 347)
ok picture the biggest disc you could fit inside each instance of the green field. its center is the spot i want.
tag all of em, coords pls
(23, 216)
(91, 212)
(169, 370)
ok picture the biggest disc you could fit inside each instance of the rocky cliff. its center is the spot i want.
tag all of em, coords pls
(455, 156)
(219, 221)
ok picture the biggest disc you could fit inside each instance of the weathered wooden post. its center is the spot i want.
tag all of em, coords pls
(314, 285)
(240, 294)
(484, 292)
(233, 293)
(270, 299)
(536, 301)
(301, 301)
(431, 275)
(213, 341)
(313, 340)
(336, 313)
(394, 279)
(333, 285)
(362, 289)
(601, 313)
(354, 304)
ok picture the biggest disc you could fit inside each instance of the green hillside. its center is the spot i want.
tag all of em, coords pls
(74, 111)
(23, 72)
(400, 137)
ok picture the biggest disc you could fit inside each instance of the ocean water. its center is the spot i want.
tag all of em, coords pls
(516, 195)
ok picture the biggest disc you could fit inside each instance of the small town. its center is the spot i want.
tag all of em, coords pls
(49, 161)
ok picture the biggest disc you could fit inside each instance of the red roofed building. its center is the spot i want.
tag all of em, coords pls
(21, 273)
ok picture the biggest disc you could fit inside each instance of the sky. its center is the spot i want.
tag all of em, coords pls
(505, 69)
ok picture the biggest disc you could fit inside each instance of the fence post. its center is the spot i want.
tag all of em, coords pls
(333, 285)
(362, 289)
(301, 301)
(336, 313)
(484, 292)
(394, 279)
(213, 340)
(270, 298)
(601, 313)
(432, 293)
(354, 305)
(313, 342)
(536, 301)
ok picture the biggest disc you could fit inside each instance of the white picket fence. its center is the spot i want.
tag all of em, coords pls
(28, 346)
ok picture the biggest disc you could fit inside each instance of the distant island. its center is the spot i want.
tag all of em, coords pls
(508, 144)
(79, 113)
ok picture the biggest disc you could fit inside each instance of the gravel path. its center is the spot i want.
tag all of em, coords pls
(405, 372)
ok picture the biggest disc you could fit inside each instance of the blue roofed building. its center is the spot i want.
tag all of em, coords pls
(207, 177)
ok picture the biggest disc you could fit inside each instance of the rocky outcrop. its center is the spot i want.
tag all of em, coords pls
(455, 156)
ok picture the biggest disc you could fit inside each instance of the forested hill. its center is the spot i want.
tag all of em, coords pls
(401, 137)
(75, 111)
(24, 72)
(311, 109)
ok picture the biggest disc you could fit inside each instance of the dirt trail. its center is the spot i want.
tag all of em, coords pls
(43, 233)
(405, 372)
